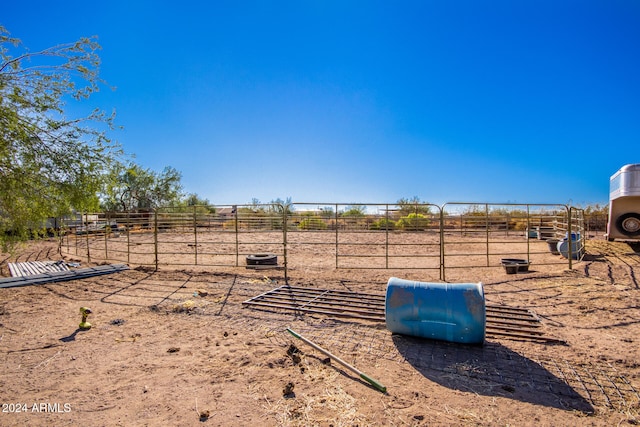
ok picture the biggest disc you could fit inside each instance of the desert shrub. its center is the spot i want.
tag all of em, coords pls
(312, 223)
(354, 218)
(413, 222)
(229, 225)
(356, 211)
(519, 225)
(383, 224)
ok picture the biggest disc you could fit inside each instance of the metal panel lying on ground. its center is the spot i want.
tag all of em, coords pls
(502, 321)
(61, 276)
(32, 268)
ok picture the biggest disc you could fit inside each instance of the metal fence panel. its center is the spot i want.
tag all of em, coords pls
(417, 236)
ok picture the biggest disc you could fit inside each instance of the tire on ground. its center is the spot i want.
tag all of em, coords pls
(262, 259)
(629, 224)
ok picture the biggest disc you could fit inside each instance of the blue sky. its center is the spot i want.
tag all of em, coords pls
(365, 101)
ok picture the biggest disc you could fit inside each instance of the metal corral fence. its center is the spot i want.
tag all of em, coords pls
(481, 235)
(332, 236)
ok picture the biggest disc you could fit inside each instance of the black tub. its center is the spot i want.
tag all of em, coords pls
(514, 265)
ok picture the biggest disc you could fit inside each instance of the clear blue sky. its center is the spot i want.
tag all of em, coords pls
(366, 101)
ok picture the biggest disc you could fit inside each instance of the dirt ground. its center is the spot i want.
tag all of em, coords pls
(177, 347)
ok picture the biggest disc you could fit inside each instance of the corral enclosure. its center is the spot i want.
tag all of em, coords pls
(433, 239)
(170, 344)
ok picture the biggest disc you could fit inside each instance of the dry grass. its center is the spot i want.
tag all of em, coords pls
(331, 406)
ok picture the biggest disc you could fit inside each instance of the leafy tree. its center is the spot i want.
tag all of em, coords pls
(133, 188)
(327, 212)
(255, 204)
(193, 199)
(357, 211)
(194, 203)
(413, 205)
(596, 216)
(287, 205)
(354, 216)
(49, 163)
(597, 209)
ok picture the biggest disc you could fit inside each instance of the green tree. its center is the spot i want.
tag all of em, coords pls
(194, 203)
(133, 188)
(283, 206)
(413, 205)
(255, 204)
(327, 212)
(354, 211)
(50, 163)
(193, 199)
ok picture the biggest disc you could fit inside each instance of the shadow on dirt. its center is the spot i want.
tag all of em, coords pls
(635, 246)
(594, 257)
(490, 370)
(72, 337)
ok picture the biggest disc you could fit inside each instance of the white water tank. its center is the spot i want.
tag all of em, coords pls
(624, 204)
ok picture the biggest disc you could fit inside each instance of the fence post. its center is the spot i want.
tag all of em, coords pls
(86, 229)
(155, 236)
(107, 230)
(442, 266)
(386, 243)
(570, 238)
(528, 230)
(237, 242)
(487, 228)
(195, 234)
(284, 243)
(337, 225)
(77, 237)
(508, 218)
(128, 237)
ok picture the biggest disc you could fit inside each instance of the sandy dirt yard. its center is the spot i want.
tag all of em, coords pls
(177, 347)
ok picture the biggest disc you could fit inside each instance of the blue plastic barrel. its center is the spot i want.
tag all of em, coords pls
(454, 312)
(576, 249)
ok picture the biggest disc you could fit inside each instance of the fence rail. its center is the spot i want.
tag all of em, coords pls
(331, 236)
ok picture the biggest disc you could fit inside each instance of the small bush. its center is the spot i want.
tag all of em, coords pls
(312, 223)
(383, 224)
(229, 225)
(413, 222)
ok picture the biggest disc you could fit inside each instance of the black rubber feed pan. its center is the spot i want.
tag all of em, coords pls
(514, 265)
(262, 259)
